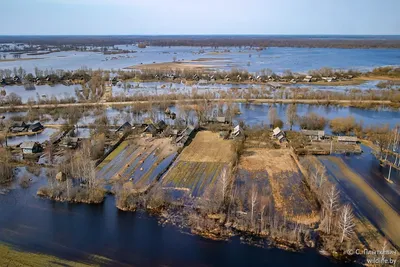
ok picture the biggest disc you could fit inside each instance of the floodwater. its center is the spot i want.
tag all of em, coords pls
(60, 92)
(40, 137)
(258, 114)
(368, 191)
(43, 92)
(76, 231)
(278, 59)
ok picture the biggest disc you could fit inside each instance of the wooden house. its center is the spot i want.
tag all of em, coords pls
(31, 147)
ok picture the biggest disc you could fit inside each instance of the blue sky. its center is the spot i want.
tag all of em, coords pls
(200, 17)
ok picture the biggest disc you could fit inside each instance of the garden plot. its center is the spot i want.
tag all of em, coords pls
(140, 161)
(290, 195)
(199, 167)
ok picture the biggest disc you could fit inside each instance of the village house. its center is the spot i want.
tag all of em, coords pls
(35, 127)
(18, 127)
(185, 135)
(348, 139)
(237, 132)
(313, 135)
(308, 78)
(31, 147)
(279, 134)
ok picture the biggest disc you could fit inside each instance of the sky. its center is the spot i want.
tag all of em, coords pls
(163, 17)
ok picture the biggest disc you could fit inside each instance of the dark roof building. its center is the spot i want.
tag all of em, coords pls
(35, 127)
(124, 127)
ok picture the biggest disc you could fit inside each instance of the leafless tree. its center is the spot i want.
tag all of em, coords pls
(272, 115)
(291, 115)
(330, 206)
(346, 222)
(253, 200)
(224, 183)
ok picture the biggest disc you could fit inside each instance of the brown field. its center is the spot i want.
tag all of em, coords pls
(210, 59)
(274, 161)
(208, 147)
(290, 194)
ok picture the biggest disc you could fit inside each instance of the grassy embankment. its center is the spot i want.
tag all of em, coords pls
(11, 257)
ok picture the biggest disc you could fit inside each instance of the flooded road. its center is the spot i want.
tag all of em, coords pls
(366, 199)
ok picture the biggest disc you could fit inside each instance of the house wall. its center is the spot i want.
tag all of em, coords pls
(27, 151)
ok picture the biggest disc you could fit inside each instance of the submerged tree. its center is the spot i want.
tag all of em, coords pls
(291, 115)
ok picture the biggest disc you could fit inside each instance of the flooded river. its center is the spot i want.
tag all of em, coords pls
(76, 231)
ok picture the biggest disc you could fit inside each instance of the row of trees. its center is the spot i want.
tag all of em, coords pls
(6, 169)
(337, 220)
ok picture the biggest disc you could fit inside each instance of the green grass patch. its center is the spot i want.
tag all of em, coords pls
(12, 257)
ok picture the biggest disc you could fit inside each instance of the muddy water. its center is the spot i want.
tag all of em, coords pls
(364, 186)
(76, 231)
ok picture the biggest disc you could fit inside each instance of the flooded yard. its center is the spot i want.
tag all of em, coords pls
(138, 162)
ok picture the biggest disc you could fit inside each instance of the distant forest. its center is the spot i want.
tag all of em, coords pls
(214, 41)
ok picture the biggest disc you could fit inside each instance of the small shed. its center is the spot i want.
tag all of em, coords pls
(221, 119)
(313, 135)
(69, 142)
(31, 147)
(348, 139)
(150, 130)
(161, 125)
(237, 132)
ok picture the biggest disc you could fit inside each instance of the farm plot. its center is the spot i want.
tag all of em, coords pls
(200, 166)
(290, 195)
(140, 161)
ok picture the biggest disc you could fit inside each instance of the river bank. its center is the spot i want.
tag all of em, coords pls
(348, 103)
